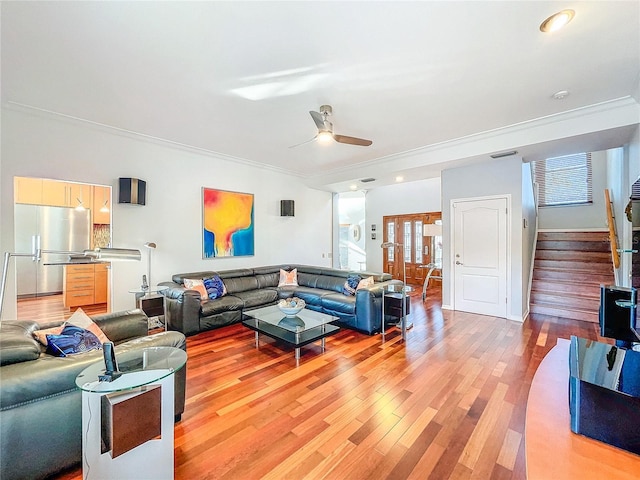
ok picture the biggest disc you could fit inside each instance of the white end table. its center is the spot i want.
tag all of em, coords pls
(141, 369)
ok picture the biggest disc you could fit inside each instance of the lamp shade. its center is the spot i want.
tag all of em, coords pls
(111, 254)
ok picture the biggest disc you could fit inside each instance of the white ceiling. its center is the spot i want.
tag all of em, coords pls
(238, 78)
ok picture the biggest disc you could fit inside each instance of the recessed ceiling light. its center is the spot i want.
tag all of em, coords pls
(561, 94)
(353, 187)
(556, 21)
(399, 178)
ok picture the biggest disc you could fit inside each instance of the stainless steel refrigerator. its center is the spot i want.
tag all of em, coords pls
(47, 228)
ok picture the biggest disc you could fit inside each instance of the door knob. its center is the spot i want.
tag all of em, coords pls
(458, 262)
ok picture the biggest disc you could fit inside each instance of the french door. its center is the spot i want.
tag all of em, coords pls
(415, 250)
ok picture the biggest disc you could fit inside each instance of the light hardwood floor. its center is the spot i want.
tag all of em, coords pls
(447, 404)
(51, 308)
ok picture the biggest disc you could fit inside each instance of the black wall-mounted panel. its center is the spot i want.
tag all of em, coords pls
(133, 191)
(287, 208)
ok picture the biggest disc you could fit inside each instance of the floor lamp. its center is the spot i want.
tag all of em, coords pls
(403, 322)
(99, 254)
(149, 246)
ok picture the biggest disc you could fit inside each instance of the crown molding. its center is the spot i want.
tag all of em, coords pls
(45, 113)
(615, 105)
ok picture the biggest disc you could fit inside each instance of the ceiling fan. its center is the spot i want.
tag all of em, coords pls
(325, 130)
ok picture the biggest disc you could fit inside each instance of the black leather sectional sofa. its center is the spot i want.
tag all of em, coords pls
(248, 288)
(40, 405)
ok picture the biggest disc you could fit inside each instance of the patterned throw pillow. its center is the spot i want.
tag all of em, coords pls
(72, 340)
(197, 285)
(289, 279)
(351, 284)
(215, 287)
(82, 320)
(78, 319)
(365, 282)
(41, 335)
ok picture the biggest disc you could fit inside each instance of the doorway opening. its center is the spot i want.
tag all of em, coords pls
(59, 216)
(351, 220)
(419, 247)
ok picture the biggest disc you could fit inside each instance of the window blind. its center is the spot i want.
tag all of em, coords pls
(564, 180)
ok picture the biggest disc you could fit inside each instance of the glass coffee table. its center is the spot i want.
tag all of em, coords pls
(306, 327)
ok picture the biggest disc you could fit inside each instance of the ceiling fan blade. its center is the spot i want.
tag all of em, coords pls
(319, 119)
(303, 143)
(352, 140)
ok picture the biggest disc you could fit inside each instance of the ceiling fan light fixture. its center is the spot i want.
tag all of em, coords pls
(556, 21)
(325, 137)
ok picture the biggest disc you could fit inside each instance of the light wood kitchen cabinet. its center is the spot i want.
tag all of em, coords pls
(65, 194)
(101, 199)
(100, 292)
(28, 190)
(80, 192)
(85, 284)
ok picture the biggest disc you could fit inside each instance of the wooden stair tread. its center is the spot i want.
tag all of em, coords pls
(573, 246)
(571, 236)
(600, 257)
(582, 277)
(566, 301)
(574, 265)
(570, 313)
(561, 307)
(593, 293)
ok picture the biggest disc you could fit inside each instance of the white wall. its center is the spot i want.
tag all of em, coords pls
(593, 216)
(529, 233)
(402, 198)
(498, 177)
(53, 147)
(619, 189)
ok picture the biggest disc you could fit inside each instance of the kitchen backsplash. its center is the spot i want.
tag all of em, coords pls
(101, 236)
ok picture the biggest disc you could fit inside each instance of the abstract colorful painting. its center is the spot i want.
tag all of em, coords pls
(227, 224)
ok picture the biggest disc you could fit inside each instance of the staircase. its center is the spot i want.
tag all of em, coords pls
(568, 271)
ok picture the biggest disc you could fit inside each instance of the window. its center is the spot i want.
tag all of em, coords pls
(407, 241)
(391, 237)
(564, 180)
(417, 231)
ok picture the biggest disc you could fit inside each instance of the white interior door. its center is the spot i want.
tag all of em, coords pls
(480, 256)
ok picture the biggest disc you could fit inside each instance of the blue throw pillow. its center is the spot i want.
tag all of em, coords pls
(215, 287)
(351, 284)
(72, 340)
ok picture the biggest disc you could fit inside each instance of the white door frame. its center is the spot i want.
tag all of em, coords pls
(452, 230)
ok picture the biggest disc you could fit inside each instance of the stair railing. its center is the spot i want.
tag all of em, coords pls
(613, 237)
